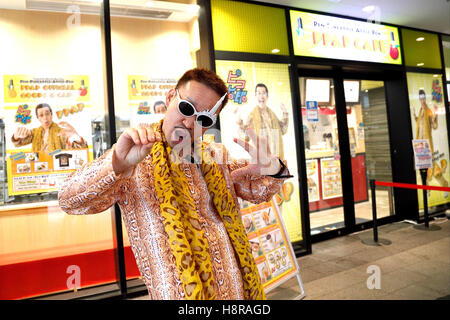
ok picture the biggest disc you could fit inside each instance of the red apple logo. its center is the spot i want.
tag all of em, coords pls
(83, 91)
(393, 52)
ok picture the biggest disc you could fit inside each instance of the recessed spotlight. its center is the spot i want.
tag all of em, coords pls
(420, 64)
(420, 39)
(275, 50)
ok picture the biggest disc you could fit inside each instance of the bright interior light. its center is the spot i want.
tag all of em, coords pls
(194, 8)
(275, 50)
(149, 4)
(420, 64)
(368, 8)
(420, 39)
(435, 75)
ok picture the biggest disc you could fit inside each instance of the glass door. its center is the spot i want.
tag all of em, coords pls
(369, 146)
(318, 109)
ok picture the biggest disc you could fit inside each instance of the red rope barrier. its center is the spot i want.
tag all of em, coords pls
(410, 186)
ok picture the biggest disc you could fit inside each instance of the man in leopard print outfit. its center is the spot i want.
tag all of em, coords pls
(182, 217)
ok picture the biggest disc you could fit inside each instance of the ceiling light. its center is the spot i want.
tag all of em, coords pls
(420, 39)
(420, 64)
(368, 8)
(435, 75)
(194, 8)
(275, 50)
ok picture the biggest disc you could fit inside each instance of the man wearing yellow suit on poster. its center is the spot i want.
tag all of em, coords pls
(426, 121)
(49, 136)
(265, 122)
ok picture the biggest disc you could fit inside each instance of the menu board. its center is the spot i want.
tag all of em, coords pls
(331, 178)
(270, 244)
(47, 128)
(312, 172)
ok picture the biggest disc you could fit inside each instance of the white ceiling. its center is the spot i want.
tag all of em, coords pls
(433, 15)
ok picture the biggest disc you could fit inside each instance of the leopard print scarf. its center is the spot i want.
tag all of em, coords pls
(186, 236)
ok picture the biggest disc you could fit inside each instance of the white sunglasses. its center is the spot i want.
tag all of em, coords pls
(205, 119)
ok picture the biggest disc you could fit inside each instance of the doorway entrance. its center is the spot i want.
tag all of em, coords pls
(346, 137)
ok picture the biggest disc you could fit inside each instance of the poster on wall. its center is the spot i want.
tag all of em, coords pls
(260, 97)
(312, 172)
(422, 154)
(331, 178)
(47, 135)
(270, 244)
(428, 121)
(147, 98)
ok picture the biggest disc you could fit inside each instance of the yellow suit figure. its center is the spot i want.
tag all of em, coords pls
(426, 121)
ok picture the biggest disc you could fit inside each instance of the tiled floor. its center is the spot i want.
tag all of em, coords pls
(416, 265)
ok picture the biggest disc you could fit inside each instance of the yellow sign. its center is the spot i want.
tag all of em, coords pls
(24, 88)
(322, 36)
(34, 163)
(145, 88)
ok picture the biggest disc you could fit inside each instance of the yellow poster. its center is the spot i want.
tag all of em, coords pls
(322, 36)
(146, 88)
(254, 86)
(47, 129)
(147, 98)
(331, 178)
(24, 88)
(426, 99)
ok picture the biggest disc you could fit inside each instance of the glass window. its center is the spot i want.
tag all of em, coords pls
(421, 49)
(369, 146)
(428, 121)
(53, 123)
(260, 97)
(323, 164)
(244, 27)
(152, 47)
